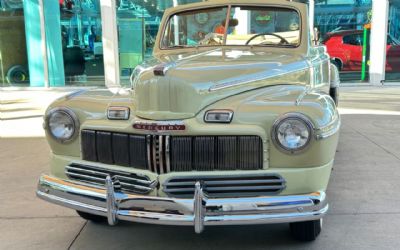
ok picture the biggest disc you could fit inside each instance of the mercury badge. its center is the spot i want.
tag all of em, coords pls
(160, 126)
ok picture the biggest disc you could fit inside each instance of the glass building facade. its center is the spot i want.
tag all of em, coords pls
(59, 42)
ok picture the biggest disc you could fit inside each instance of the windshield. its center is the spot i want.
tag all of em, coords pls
(244, 25)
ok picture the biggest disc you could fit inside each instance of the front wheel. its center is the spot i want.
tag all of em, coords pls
(307, 230)
(92, 217)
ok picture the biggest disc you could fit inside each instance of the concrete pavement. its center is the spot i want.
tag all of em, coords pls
(364, 196)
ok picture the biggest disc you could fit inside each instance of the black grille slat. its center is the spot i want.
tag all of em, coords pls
(204, 153)
(162, 154)
(227, 152)
(226, 186)
(250, 153)
(104, 147)
(181, 154)
(88, 141)
(138, 151)
(120, 146)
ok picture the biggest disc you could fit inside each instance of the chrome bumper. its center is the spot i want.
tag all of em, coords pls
(198, 212)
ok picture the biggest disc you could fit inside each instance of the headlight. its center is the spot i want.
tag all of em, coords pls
(292, 133)
(62, 124)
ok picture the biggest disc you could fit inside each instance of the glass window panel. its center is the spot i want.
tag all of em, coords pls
(195, 28)
(13, 53)
(81, 33)
(138, 25)
(264, 27)
(341, 27)
(393, 43)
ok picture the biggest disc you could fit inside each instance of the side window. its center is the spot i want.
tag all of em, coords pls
(355, 40)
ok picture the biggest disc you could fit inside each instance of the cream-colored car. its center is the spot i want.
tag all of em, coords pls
(230, 123)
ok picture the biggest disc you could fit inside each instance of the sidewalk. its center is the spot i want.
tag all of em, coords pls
(21, 112)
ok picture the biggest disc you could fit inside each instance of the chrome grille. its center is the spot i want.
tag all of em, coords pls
(163, 154)
(226, 186)
(94, 175)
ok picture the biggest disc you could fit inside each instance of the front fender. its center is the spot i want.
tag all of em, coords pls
(264, 106)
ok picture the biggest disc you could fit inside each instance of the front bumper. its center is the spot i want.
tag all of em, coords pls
(198, 212)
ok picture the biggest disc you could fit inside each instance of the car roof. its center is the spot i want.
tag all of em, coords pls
(228, 2)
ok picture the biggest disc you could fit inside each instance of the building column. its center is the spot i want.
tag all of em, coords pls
(43, 42)
(380, 15)
(36, 43)
(54, 52)
(311, 14)
(110, 43)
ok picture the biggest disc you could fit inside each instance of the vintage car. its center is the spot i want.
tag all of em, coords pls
(235, 128)
(346, 50)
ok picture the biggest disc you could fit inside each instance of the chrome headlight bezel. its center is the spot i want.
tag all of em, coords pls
(292, 116)
(74, 121)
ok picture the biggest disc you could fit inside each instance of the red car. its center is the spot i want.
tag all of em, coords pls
(345, 49)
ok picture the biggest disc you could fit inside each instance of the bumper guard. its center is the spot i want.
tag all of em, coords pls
(198, 212)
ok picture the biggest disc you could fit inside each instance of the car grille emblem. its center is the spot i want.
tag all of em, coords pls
(160, 126)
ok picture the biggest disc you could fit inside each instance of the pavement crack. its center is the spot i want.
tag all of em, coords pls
(77, 236)
(372, 141)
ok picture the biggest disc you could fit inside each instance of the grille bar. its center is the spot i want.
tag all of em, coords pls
(226, 186)
(128, 181)
(230, 182)
(163, 153)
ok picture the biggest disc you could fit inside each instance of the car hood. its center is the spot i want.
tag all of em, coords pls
(178, 86)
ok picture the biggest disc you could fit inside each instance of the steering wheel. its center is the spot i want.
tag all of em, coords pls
(283, 40)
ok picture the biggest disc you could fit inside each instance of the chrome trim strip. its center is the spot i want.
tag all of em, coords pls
(120, 177)
(167, 154)
(329, 133)
(301, 97)
(289, 69)
(84, 170)
(198, 211)
(75, 94)
(84, 177)
(161, 153)
(148, 145)
(155, 151)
